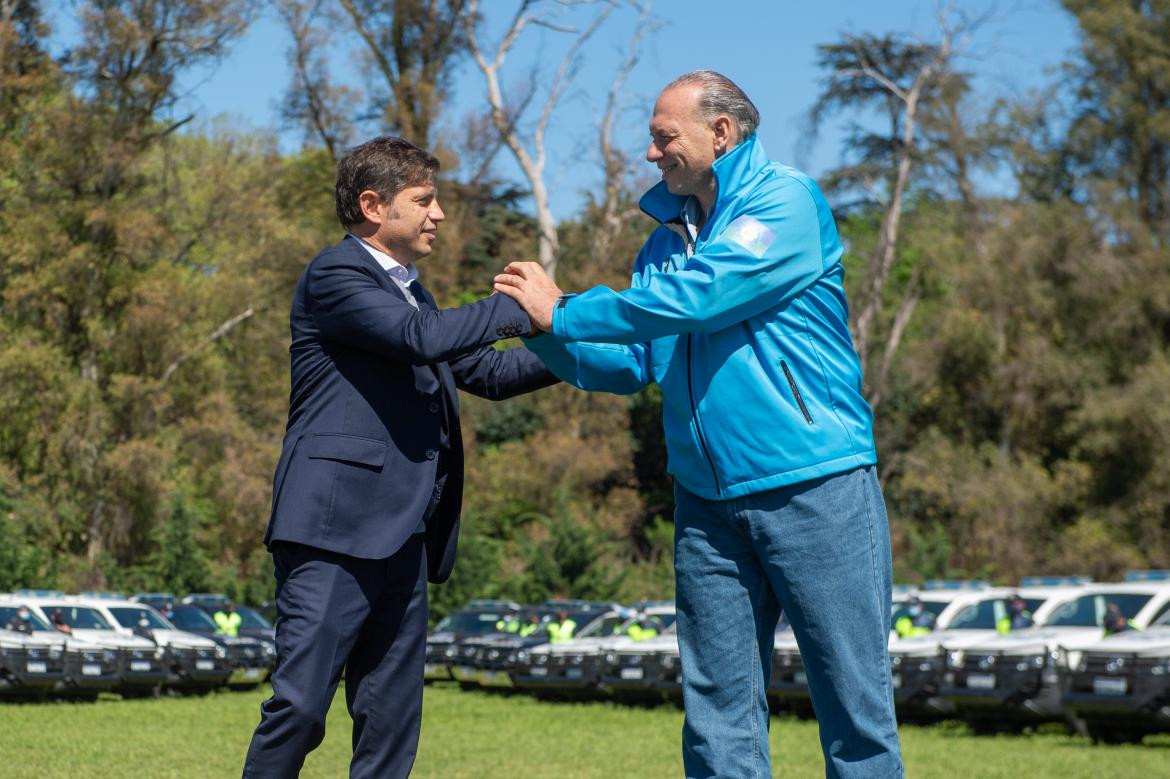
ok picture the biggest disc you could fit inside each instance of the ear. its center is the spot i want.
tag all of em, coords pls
(725, 135)
(370, 203)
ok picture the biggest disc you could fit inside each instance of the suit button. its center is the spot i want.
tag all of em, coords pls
(433, 408)
(432, 454)
(499, 331)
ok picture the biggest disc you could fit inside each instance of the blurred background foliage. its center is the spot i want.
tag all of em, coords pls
(1016, 344)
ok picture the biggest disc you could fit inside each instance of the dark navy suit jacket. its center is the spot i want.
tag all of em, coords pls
(373, 390)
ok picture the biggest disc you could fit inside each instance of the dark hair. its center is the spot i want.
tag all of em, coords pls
(720, 96)
(386, 165)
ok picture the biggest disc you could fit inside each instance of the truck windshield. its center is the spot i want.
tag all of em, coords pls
(252, 619)
(1088, 611)
(9, 613)
(129, 617)
(193, 618)
(80, 617)
(979, 616)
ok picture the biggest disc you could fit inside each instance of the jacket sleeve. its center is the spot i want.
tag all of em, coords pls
(494, 374)
(597, 367)
(765, 256)
(349, 306)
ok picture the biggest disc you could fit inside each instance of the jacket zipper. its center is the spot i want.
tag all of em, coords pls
(698, 425)
(796, 392)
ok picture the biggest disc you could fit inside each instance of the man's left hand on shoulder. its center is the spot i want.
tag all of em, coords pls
(530, 286)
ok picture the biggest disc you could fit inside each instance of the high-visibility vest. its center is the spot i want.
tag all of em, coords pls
(1129, 625)
(527, 629)
(228, 624)
(511, 625)
(1003, 625)
(639, 633)
(905, 628)
(559, 632)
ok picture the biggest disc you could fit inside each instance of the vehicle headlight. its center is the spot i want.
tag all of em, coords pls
(522, 656)
(1161, 670)
(449, 652)
(159, 652)
(668, 661)
(955, 658)
(1114, 664)
(109, 656)
(926, 665)
(611, 658)
(1057, 658)
(270, 650)
(220, 652)
(896, 661)
(541, 659)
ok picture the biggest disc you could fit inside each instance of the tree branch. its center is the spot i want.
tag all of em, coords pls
(218, 333)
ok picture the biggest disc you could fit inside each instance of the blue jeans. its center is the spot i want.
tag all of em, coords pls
(821, 551)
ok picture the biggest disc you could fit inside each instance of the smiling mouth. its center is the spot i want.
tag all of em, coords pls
(667, 169)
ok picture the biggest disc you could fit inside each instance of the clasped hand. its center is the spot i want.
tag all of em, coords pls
(529, 285)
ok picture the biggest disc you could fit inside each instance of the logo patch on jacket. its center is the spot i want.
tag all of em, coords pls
(751, 234)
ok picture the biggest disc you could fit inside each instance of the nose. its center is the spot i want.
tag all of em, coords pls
(653, 153)
(436, 213)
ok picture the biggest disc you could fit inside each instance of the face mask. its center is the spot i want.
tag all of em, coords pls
(915, 611)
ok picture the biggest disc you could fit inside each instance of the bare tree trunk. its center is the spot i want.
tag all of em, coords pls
(894, 340)
(614, 163)
(887, 245)
(532, 162)
(308, 99)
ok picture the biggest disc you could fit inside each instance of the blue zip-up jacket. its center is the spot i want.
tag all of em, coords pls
(748, 336)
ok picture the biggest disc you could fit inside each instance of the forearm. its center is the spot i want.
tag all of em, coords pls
(621, 370)
(498, 375)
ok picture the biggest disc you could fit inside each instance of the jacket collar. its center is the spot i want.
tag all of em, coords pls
(732, 171)
(358, 248)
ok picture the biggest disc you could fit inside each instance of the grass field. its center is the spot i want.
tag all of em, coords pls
(483, 736)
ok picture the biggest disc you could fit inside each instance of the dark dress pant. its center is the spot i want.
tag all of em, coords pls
(366, 617)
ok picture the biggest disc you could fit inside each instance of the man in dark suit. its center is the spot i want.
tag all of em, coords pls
(366, 496)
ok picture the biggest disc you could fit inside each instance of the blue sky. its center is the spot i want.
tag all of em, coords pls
(767, 46)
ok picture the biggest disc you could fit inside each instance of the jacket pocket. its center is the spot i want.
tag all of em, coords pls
(346, 448)
(796, 392)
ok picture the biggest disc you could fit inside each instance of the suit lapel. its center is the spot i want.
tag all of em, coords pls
(355, 246)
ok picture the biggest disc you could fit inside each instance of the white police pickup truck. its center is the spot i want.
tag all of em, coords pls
(141, 667)
(1118, 686)
(188, 662)
(1009, 680)
(967, 612)
(32, 663)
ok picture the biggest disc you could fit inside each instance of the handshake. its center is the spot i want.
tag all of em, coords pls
(530, 285)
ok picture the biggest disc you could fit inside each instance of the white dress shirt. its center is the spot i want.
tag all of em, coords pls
(402, 275)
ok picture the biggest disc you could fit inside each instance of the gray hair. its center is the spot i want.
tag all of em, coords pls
(720, 96)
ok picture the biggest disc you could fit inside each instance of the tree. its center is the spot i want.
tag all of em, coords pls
(900, 81)
(531, 156)
(1120, 133)
(410, 48)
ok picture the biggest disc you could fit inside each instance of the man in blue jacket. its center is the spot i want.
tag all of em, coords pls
(736, 310)
(366, 496)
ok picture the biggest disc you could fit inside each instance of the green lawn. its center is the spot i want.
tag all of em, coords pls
(474, 734)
